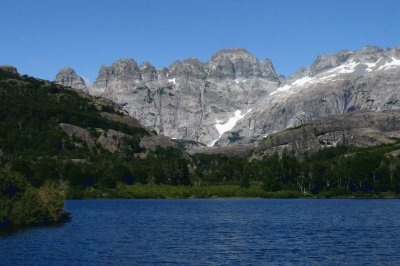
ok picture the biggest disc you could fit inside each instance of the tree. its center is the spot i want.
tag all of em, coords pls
(270, 181)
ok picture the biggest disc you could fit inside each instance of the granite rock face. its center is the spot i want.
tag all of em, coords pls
(148, 71)
(337, 84)
(190, 99)
(120, 77)
(234, 98)
(68, 78)
(361, 129)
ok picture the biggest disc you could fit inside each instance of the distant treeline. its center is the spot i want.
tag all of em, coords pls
(37, 155)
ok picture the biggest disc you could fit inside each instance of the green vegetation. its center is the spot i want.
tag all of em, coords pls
(335, 172)
(40, 164)
(33, 145)
(140, 191)
(23, 205)
(340, 171)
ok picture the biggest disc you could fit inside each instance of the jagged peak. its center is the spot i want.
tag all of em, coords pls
(189, 68)
(371, 49)
(67, 71)
(125, 61)
(148, 71)
(193, 60)
(324, 62)
(67, 76)
(232, 52)
(162, 73)
(145, 64)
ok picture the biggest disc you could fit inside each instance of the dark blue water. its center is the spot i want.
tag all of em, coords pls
(222, 232)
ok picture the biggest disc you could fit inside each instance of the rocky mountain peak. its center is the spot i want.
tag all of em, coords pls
(328, 61)
(148, 71)
(239, 63)
(371, 49)
(267, 70)
(220, 68)
(335, 84)
(325, 62)
(126, 68)
(232, 53)
(121, 76)
(163, 73)
(68, 77)
(190, 68)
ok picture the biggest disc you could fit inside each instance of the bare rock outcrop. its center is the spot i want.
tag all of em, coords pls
(234, 98)
(10, 69)
(336, 84)
(153, 142)
(67, 77)
(362, 129)
(189, 99)
(78, 132)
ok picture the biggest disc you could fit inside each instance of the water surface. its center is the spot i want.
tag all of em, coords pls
(222, 231)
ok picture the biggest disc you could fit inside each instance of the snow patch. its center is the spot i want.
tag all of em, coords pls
(230, 124)
(172, 80)
(370, 66)
(392, 64)
(345, 68)
(296, 83)
(319, 78)
(266, 135)
(237, 81)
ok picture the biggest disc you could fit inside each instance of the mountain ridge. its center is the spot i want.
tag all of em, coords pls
(193, 100)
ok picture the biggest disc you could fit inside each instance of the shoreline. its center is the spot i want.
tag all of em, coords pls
(139, 191)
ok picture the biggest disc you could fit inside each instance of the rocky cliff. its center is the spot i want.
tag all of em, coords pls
(361, 129)
(336, 84)
(234, 98)
(67, 77)
(190, 99)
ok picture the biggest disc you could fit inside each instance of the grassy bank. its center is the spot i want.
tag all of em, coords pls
(140, 191)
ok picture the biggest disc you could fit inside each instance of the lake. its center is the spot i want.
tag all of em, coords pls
(214, 232)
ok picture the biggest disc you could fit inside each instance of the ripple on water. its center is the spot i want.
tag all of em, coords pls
(229, 231)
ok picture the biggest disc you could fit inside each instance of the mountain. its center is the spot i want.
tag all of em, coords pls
(358, 129)
(190, 99)
(335, 84)
(234, 98)
(48, 131)
(53, 136)
(67, 77)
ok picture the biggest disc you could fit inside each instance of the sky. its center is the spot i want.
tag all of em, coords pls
(42, 36)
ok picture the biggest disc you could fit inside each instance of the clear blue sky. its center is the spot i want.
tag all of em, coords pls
(40, 37)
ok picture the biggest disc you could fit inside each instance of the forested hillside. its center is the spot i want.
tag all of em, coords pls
(50, 133)
(57, 143)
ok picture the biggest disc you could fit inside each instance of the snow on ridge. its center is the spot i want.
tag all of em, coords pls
(296, 83)
(323, 77)
(229, 125)
(345, 68)
(172, 80)
(373, 66)
(392, 64)
(370, 66)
